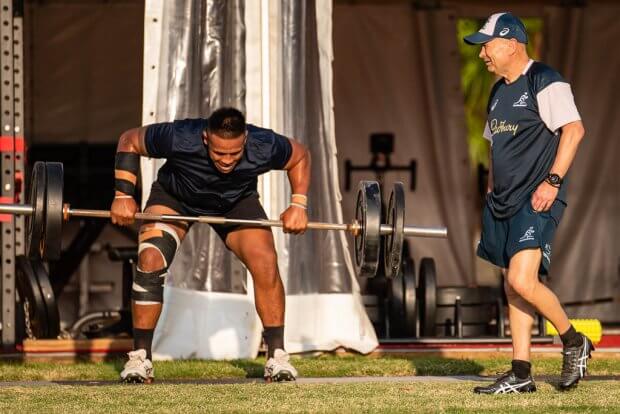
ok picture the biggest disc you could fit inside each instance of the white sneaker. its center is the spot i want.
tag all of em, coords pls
(278, 368)
(138, 369)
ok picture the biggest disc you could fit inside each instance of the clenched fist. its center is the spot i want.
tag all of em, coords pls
(123, 211)
(294, 220)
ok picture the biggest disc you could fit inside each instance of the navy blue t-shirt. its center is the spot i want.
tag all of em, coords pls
(524, 124)
(190, 175)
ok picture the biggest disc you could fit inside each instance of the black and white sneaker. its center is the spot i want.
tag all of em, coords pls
(508, 383)
(575, 363)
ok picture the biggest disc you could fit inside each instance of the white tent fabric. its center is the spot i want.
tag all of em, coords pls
(203, 324)
(394, 73)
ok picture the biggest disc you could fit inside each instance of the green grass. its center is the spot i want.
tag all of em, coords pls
(590, 396)
(323, 366)
(402, 397)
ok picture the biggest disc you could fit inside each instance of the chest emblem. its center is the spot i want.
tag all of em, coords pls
(521, 102)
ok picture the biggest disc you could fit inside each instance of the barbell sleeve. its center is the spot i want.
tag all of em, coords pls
(19, 209)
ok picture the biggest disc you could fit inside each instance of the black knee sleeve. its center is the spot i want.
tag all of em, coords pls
(148, 287)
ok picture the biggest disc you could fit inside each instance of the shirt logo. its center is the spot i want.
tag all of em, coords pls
(547, 252)
(497, 127)
(521, 102)
(494, 104)
(528, 235)
(504, 31)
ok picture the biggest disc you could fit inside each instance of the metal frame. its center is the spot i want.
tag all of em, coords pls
(12, 153)
(18, 88)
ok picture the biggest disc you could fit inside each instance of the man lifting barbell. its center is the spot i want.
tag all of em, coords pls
(211, 168)
(233, 152)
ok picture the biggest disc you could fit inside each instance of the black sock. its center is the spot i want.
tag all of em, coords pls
(571, 338)
(274, 338)
(143, 339)
(521, 368)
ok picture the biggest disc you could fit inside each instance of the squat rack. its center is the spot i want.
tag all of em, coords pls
(12, 152)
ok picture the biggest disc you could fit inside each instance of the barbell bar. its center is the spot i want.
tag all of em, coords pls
(354, 228)
(46, 212)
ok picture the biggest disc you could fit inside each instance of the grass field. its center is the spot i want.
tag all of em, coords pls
(323, 366)
(414, 397)
(590, 396)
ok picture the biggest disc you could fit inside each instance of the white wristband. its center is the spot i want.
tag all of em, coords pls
(123, 196)
(299, 205)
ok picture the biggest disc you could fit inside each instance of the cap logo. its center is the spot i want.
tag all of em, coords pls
(504, 31)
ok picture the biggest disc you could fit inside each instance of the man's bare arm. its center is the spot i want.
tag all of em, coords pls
(572, 134)
(298, 168)
(545, 194)
(132, 140)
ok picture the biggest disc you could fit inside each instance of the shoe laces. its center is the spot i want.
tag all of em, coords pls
(502, 375)
(280, 357)
(569, 361)
(136, 358)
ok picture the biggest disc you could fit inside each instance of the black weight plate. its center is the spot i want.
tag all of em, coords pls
(427, 296)
(30, 295)
(469, 296)
(51, 307)
(469, 313)
(393, 243)
(368, 240)
(53, 211)
(397, 306)
(35, 223)
(409, 294)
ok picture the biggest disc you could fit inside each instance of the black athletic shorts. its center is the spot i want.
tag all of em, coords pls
(526, 229)
(248, 208)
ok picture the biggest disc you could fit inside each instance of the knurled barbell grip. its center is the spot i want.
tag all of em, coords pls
(209, 219)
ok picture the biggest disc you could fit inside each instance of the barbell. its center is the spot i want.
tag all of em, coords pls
(46, 213)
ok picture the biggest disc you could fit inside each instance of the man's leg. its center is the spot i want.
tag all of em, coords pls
(523, 279)
(255, 248)
(157, 246)
(525, 293)
(521, 316)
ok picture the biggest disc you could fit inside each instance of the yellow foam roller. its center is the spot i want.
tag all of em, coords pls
(591, 328)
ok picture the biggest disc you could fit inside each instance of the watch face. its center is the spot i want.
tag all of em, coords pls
(554, 178)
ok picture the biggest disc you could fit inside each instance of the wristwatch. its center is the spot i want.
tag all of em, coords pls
(554, 179)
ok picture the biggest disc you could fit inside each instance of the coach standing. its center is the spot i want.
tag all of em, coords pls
(535, 129)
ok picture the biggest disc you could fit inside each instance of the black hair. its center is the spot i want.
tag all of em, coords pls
(227, 122)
